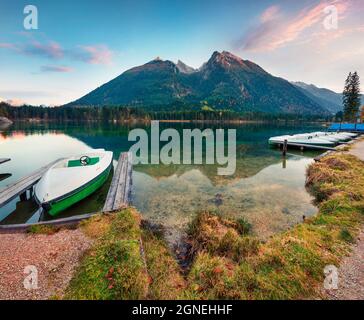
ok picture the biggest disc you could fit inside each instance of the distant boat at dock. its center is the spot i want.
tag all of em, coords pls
(314, 139)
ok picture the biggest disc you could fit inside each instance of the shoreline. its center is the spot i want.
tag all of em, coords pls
(141, 120)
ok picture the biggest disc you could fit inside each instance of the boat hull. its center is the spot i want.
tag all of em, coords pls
(56, 206)
(312, 142)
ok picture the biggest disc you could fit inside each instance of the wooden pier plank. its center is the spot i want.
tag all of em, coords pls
(120, 188)
(15, 189)
(109, 202)
(128, 180)
(310, 146)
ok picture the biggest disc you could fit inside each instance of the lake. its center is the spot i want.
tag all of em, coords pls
(266, 189)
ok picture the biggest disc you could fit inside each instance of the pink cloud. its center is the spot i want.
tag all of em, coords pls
(92, 54)
(269, 14)
(50, 50)
(276, 30)
(62, 69)
(306, 19)
(7, 45)
(97, 54)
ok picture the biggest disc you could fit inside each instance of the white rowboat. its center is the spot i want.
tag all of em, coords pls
(73, 179)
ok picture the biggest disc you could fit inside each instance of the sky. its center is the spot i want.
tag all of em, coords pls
(81, 44)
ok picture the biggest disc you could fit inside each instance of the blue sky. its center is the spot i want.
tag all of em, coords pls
(80, 45)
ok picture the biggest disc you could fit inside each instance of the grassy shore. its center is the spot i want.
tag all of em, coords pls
(290, 265)
(227, 262)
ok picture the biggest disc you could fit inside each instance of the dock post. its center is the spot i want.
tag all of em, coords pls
(31, 191)
(23, 196)
(285, 146)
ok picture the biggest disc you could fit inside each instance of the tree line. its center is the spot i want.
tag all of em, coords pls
(121, 113)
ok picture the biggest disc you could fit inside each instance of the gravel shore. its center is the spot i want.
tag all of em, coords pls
(351, 270)
(351, 275)
(55, 257)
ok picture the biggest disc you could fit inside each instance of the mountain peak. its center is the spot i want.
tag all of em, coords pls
(226, 59)
(231, 56)
(229, 61)
(184, 68)
(154, 65)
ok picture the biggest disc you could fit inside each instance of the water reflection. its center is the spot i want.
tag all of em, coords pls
(272, 200)
(266, 189)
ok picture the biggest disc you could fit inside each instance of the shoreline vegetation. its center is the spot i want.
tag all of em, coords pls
(131, 114)
(130, 260)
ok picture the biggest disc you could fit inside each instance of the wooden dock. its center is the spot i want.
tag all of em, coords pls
(284, 146)
(19, 188)
(119, 193)
(309, 146)
(3, 160)
(118, 197)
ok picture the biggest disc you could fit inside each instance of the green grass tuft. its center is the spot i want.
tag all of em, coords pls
(113, 268)
(243, 226)
(165, 278)
(43, 229)
(346, 235)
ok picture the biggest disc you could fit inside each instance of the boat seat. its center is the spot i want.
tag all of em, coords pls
(77, 163)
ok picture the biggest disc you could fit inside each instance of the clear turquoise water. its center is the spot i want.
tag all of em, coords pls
(266, 190)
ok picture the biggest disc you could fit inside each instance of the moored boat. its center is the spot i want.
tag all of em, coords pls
(303, 139)
(327, 136)
(72, 179)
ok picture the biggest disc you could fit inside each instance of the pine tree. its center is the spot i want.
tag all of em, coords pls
(351, 97)
(346, 95)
